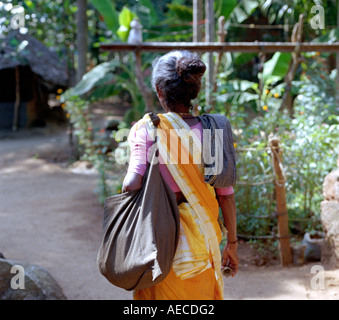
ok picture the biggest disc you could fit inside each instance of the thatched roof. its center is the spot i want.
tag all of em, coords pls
(24, 50)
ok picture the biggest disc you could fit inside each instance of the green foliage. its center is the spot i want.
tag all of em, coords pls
(243, 10)
(113, 78)
(126, 16)
(97, 146)
(225, 8)
(180, 12)
(108, 12)
(92, 79)
(276, 67)
(309, 139)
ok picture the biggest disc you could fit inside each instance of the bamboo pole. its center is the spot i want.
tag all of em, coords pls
(282, 213)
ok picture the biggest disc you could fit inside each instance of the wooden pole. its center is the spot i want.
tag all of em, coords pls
(297, 36)
(255, 47)
(283, 228)
(221, 38)
(209, 37)
(17, 99)
(198, 16)
(337, 60)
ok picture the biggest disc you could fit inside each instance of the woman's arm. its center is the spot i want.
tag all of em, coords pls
(228, 208)
(132, 181)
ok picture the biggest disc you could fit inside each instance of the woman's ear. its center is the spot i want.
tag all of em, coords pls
(159, 92)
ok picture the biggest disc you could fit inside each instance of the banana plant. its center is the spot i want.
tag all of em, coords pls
(243, 92)
(106, 80)
(108, 11)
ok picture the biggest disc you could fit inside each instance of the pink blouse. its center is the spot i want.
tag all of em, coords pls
(140, 144)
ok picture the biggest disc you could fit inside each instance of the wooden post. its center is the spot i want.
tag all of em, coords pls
(209, 37)
(337, 59)
(221, 38)
(17, 100)
(297, 36)
(198, 16)
(146, 92)
(283, 229)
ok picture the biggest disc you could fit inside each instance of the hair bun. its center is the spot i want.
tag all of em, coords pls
(190, 69)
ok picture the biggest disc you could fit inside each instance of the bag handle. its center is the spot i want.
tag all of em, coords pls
(155, 119)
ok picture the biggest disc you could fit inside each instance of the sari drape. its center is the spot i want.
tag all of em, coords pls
(196, 270)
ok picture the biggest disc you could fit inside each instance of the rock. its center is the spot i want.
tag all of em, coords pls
(38, 283)
(330, 222)
(312, 248)
(331, 186)
(2, 256)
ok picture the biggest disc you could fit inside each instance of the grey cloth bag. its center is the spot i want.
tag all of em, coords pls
(225, 165)
(141, 233)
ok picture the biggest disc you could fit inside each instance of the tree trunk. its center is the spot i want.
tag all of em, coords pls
(82, 26)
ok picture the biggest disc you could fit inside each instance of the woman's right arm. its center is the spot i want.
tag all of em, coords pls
(228, 208)
(132, 181)
(139, 146)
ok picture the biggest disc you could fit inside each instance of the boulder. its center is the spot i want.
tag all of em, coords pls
(330, 222)
(331, 186)
(35, 284)
(330, 219)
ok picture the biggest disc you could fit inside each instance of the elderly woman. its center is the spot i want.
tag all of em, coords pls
(196, 270)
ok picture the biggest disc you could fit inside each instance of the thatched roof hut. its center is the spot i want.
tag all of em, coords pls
(29, 72)
(24, 50)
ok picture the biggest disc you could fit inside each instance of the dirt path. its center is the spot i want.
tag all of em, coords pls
(49, 215)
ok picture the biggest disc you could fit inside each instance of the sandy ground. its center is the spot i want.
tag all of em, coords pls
(50, 216)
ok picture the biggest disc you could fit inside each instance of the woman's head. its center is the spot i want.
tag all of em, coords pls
(177, 78)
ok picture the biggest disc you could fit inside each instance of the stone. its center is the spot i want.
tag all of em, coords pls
(331, 186)
(330, 219)
(22, 281)
(313, 248)
(330, 222)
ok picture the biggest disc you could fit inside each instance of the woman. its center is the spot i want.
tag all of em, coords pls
(196, 269)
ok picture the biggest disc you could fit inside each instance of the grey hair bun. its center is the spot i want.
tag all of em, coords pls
(190, 69)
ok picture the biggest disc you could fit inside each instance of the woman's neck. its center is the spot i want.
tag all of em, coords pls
(180, 109)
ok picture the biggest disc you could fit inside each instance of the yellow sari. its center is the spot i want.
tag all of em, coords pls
(196, 270)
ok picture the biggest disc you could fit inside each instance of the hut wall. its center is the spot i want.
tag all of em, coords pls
(7, 96)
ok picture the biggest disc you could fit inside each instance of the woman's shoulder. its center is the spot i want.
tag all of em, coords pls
(217, 120)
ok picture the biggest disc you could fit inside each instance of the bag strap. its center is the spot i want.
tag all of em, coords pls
(155, 119)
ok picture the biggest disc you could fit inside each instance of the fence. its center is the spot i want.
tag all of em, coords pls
(295, 47)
